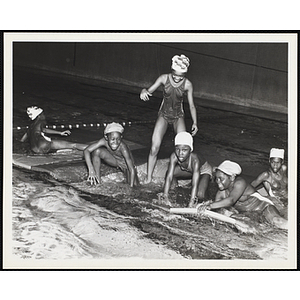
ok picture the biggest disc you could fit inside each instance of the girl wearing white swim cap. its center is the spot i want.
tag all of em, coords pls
(175, 85)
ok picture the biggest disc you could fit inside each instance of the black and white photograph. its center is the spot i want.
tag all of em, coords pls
(150, 150)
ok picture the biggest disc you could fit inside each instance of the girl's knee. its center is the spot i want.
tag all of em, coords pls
(43, 147)
(154, 150)
(98, 153)
(272, 216)
(280, 222)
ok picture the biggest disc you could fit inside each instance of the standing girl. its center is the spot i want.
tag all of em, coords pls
(175, 85)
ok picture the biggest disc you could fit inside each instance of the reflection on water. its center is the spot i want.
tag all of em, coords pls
(55, 221)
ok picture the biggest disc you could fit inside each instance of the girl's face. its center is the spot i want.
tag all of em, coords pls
(182, 152)
(223, 180)
(114, 140)
(177, 76)
(275, 163)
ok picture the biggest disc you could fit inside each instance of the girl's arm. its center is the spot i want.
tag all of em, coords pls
(195, 182)
(260, 179)
(93, 178)
(145, 93)
(24, 137)
(268, 188)
(238, 190)
(170, 174)
(129, 162)
(52, 131)
(263, 178)
(189, 89)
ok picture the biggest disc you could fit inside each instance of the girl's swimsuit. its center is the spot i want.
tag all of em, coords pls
(204, 169)
(278, 185)
(39, 143)
(171, 108)
(258, 203)
(121, 162)
(254, 202)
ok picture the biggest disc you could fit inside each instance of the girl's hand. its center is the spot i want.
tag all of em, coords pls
(65, 133)
(193, 202)
(144, 95)
(164, 199)
(204, 206)
(93, 178)
(194, 129)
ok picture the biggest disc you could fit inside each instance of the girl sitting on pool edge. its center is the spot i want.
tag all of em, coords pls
(39, 142)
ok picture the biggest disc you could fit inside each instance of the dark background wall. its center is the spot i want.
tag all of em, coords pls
(248, 74)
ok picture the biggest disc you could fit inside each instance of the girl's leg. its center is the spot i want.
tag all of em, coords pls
(179, 125)
(42, 146)
(136, 179)
(158, 134)
(102, 153)
(60, 144)
(272, 215)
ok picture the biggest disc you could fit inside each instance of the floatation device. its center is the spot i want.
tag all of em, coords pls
(86, 125)
(245, 228)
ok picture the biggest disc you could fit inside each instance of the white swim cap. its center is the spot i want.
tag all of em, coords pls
(275, 152)
(180, 63)
(184, 138)
(113, 127)
(230, 168)
(33, 112)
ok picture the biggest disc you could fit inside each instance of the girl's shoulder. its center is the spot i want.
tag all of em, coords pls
(173, 159)
(194, 157)
(164, 77)
(240, 181)
(265, 174)
(38, 122)
(197, 158)
(188, 84)
(123, 147)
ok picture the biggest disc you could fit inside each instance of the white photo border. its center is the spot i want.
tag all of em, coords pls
(11, 262)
